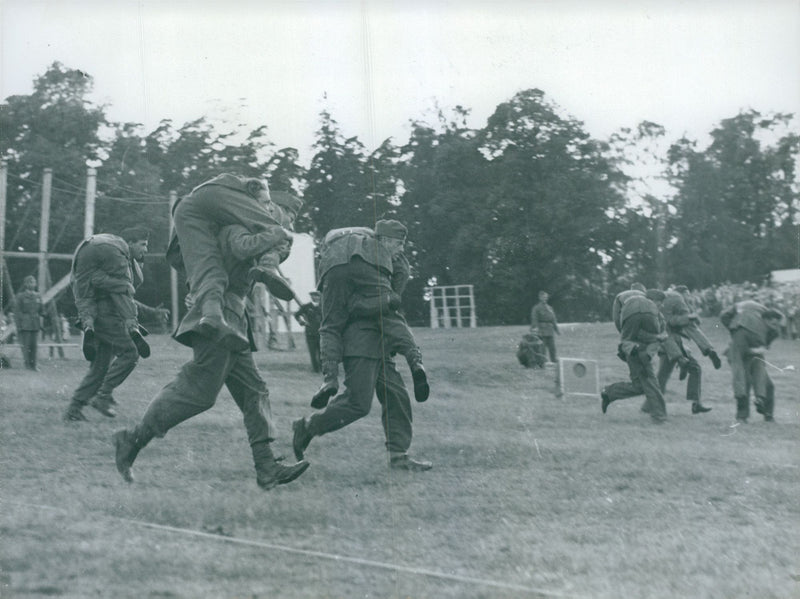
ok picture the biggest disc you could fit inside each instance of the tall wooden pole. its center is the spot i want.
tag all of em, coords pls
(173, 274)
(91, 194)
(44, 227)
(3, 182)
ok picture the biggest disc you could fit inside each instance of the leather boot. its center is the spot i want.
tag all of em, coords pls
(329, 387)
(269, 472)
(127, 445)
(276, 285)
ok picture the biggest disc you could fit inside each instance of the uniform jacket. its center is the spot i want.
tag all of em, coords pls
(103, 271)
(640, 334)
(231, 189)
(676, 311)
(749, 315)
(28, 310)
(239, 247)
(340, 245)
(619, 301)
(544, 320)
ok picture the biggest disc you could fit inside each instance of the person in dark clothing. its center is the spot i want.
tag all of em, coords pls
(28, 313)
(105, 275)
(544, 324)
(310, 316)
(196, 386)
(642, 334)
(753, 328)
(354, 276)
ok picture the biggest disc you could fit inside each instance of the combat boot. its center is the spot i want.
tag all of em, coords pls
(403, 461)
(74, 413)
(127, 445)
(698, 408)
(715, 359)
(329, 387)
(277, 286)
(300, 437)
(104, 404)
(270, 472)
(213, 325)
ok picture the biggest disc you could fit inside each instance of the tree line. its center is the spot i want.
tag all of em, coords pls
(528, 202)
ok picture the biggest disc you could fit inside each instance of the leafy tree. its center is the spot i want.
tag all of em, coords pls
(553, 193)
(338, 187)
(55, 127)
(737, 201)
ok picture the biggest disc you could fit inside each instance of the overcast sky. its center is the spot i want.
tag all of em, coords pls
(609, 63)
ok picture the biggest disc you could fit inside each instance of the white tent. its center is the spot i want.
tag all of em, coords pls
(789, 275)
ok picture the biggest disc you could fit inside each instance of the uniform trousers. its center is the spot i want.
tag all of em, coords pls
(643, 381)
(667, 364)
(115, 358)
(363, 378)
(29, 344)
(749, 372)
(550, 343)
(197, 385)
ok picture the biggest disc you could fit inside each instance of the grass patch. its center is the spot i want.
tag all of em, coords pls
(530, 495)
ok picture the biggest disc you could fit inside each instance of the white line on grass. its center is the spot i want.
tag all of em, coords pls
(319, 554)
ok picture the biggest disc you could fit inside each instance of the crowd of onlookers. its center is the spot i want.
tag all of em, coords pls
(783, 297)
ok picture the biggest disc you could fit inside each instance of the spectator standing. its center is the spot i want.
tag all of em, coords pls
(28, 313)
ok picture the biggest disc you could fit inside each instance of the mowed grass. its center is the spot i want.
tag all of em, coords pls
(530, 495)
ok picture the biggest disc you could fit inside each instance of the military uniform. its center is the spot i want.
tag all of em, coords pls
(104, 279)
(753, 327)
(310, 316)
(543, 320)
(199, 217)
(357, 313)
(642, 332)
(619, 301)
(681, 323)
(197, 385)
(360, 279)
(28, 312)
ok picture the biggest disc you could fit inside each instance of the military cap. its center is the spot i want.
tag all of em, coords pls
(681, 288)
(135, 234)
(638, 287)
(391, 228)
(287, 200)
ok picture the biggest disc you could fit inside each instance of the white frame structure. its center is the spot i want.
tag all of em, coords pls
(452, 306)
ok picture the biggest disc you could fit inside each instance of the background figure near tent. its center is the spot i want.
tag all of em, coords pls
(310, 316)
(28, 312)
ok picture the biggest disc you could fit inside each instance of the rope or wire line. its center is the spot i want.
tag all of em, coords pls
(536, 592)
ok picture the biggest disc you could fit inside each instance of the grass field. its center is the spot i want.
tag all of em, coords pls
(530, 495)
